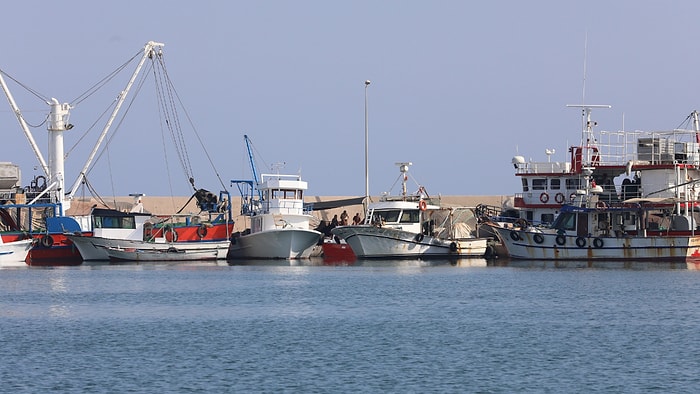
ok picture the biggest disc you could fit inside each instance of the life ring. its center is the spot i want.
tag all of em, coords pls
(538, 238)
(202, 231)
(419, 237)
(581, 242)
(598, 243)
(559, 198)
(453, 246)
(47, 241)
(544, 197)
(422, 205)
(514, 235)
(561, 239)
(169, 233)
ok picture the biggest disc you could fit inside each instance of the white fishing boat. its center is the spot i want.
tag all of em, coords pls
(636, 199)
(110, 228)
(277, 225)
(154, 254)
(14, 254)
(413, 226)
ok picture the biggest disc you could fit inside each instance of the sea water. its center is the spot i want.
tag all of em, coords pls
(389, 326)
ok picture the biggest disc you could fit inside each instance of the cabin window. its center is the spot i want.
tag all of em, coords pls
(525, 187)
(114, 222)
(565, 221)
(539, 184)
(555, 184)
(391, 216)
(547, 218)
(573, 184)
(412, 216)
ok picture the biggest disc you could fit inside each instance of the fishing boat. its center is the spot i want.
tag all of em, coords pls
(636, 198)
(413, 226)
(40, 219)
(110, 228)
(275, 220)
(277, 225)
(170, 254)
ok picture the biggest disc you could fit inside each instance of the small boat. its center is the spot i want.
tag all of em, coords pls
(635, 199)
(169, 254)
(276, 222)
(14, 254)
(413, 226)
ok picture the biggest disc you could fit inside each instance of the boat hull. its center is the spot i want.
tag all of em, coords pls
(337, 252)
(533, 245)
(14, 254)
(379, 242)
(95, 248)
(274, 244)
(167, 255)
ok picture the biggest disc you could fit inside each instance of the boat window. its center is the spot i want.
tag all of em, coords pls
(412, 216)
(114, 222)
(390, 216)
(525, 187)
(529, 216)
(547, 218)
(573, 184)
(539, 184)
(555, 184)
(565, 221)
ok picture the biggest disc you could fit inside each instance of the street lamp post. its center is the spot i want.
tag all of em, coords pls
(367, 82)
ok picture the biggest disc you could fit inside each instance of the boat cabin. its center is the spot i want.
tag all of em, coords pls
(645, 218)
(282, 204)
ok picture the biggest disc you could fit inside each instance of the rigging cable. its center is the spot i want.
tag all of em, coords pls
(189, 119)
(94, 88)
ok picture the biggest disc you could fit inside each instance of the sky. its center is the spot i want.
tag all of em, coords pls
(457, 87)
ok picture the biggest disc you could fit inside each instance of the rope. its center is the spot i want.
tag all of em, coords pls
(27, 88)
(97, 86)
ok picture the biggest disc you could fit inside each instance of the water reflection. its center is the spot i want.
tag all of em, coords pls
(613, 265)
(472, 262)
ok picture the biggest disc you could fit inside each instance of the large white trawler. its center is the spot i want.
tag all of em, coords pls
(414, 226)
(626, 196)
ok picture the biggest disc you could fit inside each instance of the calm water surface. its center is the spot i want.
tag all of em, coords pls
(372, 327)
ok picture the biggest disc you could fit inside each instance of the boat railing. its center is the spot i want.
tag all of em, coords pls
(617, 148)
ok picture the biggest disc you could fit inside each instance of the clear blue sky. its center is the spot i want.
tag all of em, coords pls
(458, 87)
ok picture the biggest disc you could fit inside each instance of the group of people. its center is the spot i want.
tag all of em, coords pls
(326, 227)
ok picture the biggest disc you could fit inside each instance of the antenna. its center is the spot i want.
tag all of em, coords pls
(585, 56)
(549, 153)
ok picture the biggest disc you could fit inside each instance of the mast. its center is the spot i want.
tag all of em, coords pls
(587, 137)
(366, 204)
(148, 52)
(57, 124)
(403, 167)
(252, 166)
